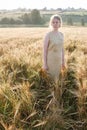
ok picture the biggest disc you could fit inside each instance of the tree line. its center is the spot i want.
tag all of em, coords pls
(71, 22)
(27, 18)
(35, 18)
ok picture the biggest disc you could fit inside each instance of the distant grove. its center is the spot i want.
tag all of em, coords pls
(35, 17)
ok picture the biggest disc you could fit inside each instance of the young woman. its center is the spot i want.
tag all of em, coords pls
(53, 49)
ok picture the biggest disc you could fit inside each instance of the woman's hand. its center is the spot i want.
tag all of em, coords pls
(45, 67)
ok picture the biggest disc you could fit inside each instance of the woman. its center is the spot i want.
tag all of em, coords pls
(53, 49)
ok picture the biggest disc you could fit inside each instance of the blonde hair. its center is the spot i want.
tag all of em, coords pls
(56, 16)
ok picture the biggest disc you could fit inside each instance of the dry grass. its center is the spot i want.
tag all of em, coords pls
(26, 91)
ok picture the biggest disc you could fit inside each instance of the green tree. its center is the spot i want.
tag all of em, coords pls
(36, 17)
(69, 21)
(5, 20)
(12, 21)
(26, 18)
(82, 22)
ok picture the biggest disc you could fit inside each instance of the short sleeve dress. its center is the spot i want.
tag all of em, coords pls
(54, 55)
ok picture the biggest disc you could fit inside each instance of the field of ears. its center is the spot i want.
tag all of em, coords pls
(26, 100)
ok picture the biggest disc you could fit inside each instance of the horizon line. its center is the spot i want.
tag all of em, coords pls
(19, 8)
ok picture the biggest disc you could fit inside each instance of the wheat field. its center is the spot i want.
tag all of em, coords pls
(26, 101)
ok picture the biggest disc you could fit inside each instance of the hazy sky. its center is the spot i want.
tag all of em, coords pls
(14, 4)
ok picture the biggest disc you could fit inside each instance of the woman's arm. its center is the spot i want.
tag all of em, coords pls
(45, 51)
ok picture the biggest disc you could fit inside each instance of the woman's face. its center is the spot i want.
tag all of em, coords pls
(55, 23)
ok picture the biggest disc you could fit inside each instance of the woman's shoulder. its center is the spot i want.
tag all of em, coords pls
(47, 34)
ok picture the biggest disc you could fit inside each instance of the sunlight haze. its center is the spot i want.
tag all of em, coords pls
(39, 4)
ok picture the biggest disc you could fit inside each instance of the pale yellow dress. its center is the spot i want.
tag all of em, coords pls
(54, 56)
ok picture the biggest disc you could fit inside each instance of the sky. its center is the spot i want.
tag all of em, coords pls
(39, 4)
